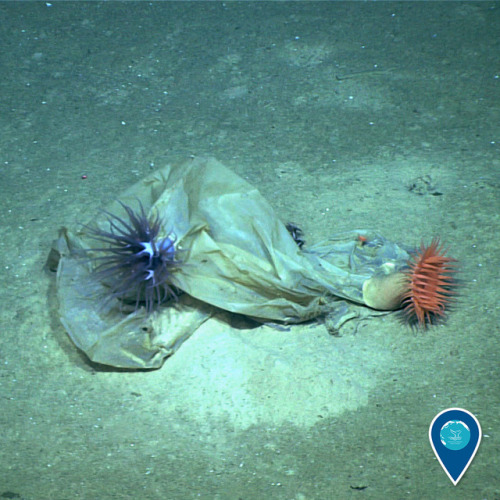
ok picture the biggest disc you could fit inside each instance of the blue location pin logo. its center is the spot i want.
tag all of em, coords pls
(455, 435)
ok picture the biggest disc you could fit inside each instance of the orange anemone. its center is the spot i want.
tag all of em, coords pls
(430, 285)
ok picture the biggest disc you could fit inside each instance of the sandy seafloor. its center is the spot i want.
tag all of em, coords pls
(346, 116)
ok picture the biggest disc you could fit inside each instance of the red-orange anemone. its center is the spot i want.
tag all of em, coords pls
(430, 285)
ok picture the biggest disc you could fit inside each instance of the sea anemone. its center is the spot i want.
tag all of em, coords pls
(429, 285)
(135, 264)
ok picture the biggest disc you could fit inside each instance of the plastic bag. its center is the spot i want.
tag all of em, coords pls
(235, 254)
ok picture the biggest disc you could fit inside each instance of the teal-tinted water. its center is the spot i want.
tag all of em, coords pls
(345, 116)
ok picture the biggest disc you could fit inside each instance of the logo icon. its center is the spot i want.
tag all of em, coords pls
(455, 435)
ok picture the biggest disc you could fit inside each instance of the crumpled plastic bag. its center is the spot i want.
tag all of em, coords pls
(236, 256)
